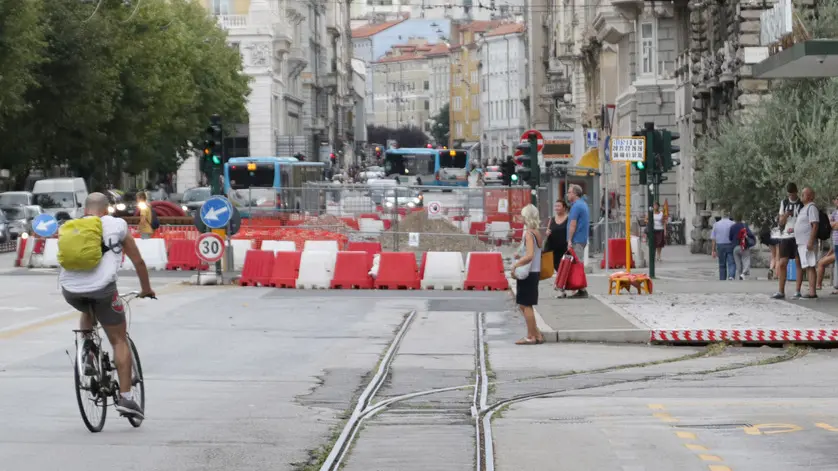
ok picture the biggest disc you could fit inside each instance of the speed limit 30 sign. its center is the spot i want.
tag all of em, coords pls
(210, 247)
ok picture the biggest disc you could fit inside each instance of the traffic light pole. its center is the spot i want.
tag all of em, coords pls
(651, 191)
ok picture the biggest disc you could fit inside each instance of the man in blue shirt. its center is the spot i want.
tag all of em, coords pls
(723, 247)
(578, 226)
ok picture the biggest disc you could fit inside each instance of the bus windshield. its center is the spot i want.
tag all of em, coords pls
(458, 160)
(258, 174)
(408, 164)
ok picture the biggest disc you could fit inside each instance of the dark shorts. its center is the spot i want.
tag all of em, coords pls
(105, 304)
(788, 248)
(527, 290)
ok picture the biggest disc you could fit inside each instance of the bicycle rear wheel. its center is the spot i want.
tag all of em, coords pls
(89, 395)
(137, 383)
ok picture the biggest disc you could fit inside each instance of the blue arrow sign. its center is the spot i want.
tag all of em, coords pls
(44, 225)
(216, 212)
(607, 145)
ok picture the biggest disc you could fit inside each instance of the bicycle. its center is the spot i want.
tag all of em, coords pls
(102, 384)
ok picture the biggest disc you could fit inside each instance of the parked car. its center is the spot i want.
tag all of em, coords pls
(19, 218)
(404, 198)
(493, 175)
(193, 198)
(5, 230)
(119, 204)
(13, 198)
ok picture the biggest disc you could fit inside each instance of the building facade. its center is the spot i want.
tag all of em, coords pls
(502, 75)
(440, 77)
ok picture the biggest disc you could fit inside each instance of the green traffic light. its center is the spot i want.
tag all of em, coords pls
(216, 160)
(640, 165)
(514, 178)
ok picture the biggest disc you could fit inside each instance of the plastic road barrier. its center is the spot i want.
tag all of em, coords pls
(397, 270)
(352, 271)
(240, 249)
(485, 272)
(183, 256)
(258, 268)
(316, 269)
(279, 245)
(321, 246)
(443, 270)
(50, 258)
(286, 269)
(371, 248)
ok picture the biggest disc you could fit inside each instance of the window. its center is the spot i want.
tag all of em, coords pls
(474, 77)
(427, 85)
(427, 105)
(458, 103)
(647, 48)
(475, 104)
(459, 129)
(474, 129)
(220, 7)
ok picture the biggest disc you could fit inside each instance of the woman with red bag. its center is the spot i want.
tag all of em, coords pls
(527, 271)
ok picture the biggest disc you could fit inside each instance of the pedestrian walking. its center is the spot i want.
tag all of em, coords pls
(806, 237)
(527, 271)
(723, 247)
(743, 240)
(144, 225)
(658, 229)
(829, 259)
(557, 235)
(790, 208)
(578, 226)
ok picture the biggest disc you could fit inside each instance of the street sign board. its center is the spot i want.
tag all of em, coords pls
(434, 209)
(413, 239)
(216, 212)
(592, 137)
(210, 247)
(628, 149)
(44, 225)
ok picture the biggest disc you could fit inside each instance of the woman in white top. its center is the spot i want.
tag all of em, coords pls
(529, 253)
(659, 228)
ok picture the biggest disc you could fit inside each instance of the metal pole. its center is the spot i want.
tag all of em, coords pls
(628, 218)
(607, 260)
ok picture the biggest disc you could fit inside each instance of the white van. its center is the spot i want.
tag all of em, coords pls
(57, 195)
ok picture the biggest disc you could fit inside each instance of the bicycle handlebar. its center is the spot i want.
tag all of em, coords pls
(134, 294)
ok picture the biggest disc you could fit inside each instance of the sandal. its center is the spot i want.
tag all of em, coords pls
(835, 291)
(528, 341)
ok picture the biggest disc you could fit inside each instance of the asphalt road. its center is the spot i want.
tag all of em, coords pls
(265, 379)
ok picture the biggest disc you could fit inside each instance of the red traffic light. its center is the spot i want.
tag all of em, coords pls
(430, 146)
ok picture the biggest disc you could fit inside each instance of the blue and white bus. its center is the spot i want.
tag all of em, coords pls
(441, 167)
(269, 183)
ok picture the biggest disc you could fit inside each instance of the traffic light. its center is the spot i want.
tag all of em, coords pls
(668, 149)
(213, 154)
(640, 167)
(524, 174)
(508, 172)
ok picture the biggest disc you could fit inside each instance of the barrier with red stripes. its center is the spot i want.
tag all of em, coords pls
(285, 269)
(352, 271)
(258, 268)
(183, 256)
(485, 272)
(397, 270)
(744, 335)
(371, 248)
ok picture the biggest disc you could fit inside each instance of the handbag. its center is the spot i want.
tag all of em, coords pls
(546, 265)
(571, 275)
(522, 272)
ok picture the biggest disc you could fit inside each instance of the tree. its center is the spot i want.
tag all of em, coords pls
(21, 50)
(788, 137)
(440, 129)
(407, 136)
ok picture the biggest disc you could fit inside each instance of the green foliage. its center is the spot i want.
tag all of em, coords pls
(19, 21)
(124, 89)
(440, 130)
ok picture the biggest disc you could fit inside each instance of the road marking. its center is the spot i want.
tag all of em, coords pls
(665, 417)
(694, 447)
(826, 426)
(718, 467)
(656, 406)
(769, 429)
(686, 435)
(709, 457)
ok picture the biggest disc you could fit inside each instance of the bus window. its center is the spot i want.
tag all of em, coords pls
(458, 160)
(259, 175)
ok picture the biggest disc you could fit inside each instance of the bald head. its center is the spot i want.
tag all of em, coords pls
(96, 204)
(808, 195)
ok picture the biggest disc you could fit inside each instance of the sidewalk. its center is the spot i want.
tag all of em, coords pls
(690, 304)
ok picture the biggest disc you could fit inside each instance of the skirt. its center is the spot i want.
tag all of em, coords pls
(527, 290)
(660, 239)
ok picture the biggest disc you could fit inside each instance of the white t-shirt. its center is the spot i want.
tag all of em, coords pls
(803, 223)
(114, 231)
(658, 217)
(794, 207)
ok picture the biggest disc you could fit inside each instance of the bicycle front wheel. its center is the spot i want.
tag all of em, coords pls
(137, 383)
(93, 406)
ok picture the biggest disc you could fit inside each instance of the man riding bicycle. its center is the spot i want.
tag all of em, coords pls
(90, 251)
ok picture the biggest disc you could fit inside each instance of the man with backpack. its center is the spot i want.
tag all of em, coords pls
(790, 208)
(90, 251)
(743, 239)
(806, 234)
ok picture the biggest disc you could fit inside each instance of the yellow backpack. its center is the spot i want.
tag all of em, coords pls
(80, 245)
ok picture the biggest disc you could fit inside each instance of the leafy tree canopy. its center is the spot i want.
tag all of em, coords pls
(407, 136)
(21, 50)
(440, 129)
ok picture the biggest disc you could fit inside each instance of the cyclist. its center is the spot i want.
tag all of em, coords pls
(88, 283)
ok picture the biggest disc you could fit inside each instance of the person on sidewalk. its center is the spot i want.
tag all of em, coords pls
(578, 226)
(723, 247)
(806, 236)
(144, 226)
(789, 209)
(743, 239)
(829, 259)
(526, 294)
(557, 236)
(659, 229)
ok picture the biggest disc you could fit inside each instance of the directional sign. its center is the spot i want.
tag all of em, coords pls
(216, 212)
(434, 209)
(210, 247)
(607, 146)
(44, 225)
(592, 137)
(628, 149)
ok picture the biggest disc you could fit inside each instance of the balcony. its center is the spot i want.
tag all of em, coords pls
(556, 68)
(632, 7)
(277, 26)
(610, 26)
(329, 80)
(232, 22)
(297, 57)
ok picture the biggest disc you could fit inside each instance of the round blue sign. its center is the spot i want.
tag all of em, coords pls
(44, 225)
(216, 212)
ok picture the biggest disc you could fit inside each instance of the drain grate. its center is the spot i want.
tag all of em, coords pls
(714, 426)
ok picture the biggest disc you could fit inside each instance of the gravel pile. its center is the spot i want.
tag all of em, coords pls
(436, 235)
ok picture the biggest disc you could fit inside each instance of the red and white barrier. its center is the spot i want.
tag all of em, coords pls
(744, 335)
(443, 270)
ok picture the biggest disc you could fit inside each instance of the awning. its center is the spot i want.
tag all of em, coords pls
(590, 159)
(809, 59)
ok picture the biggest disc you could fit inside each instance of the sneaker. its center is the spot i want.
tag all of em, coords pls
(130, 408)
(796, 296)
(581, 294)
(778, 295)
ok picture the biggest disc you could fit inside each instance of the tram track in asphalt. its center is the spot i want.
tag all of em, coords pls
(481, 411)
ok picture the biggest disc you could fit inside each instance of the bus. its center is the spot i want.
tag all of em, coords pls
(441, 167)
(267, 184)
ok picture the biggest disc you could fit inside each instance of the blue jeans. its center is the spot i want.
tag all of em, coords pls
(727, 265)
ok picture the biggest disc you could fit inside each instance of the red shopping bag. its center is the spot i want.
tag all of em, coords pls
(571, 274)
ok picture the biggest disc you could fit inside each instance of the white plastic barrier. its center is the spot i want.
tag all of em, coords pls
(370, 227)
(279, 245)
(317, 268)
(321, 246)
(50, 258)
(153, 252)
(444, 270)
(240, 248)
(498, 230)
